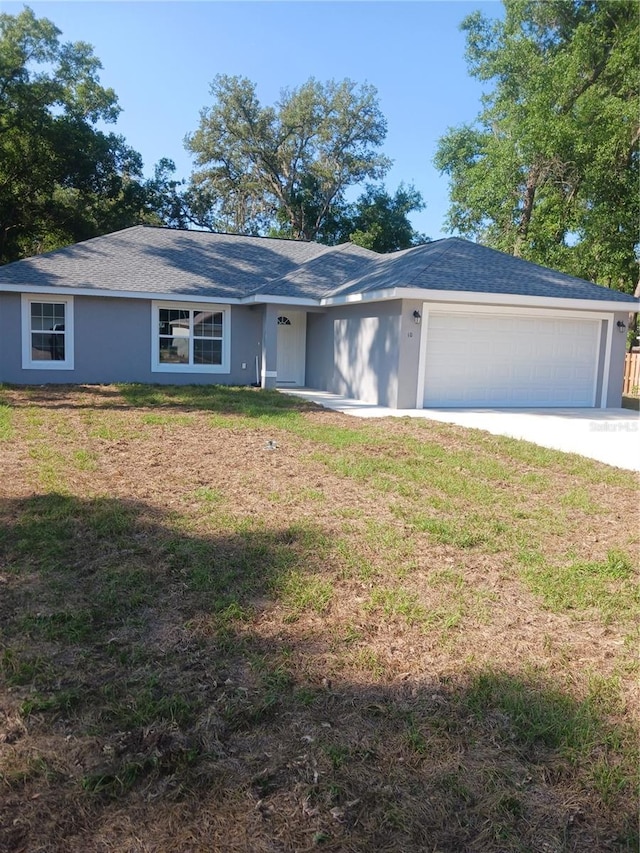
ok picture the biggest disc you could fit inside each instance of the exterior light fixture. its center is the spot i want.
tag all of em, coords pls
(621, 326)
(417, 317)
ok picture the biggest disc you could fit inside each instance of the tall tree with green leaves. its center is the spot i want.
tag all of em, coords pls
(376, 220)
(61, 179)
(549, 171)
(380, 221)
(286, 166)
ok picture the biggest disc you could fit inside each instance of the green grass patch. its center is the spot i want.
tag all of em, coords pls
(122, 590)
(110, 518)
(6, 422)
(409, 468)
(136, 704)
(225, 399)
(369, 660)
(339, 437)
(609, 779)
(469, 531)
(459, 601)
(109, 425)
(337, 754)
(61, 703)
(19, 669)
(536, 712)
(353, 562)
(398, 603)
(535, 456)
(299, 591)
(49, 466)
(85, 460)
(448, 615)
(273, 687)
(167, 420)
(447, 579)
(114, 785)
(42, 532)
(67, 626)
(307, 494)
(56, 531)
(581, 499)
(415, 738)
(250, 561)
(608, 586)
(33, 420)
(208, 495)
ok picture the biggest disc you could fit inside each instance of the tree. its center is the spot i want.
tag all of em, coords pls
(285, 166)
(61, 179)
(376, 220)
(380, 221)
(549, 170)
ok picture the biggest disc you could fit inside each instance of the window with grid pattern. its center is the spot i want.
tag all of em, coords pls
(191, 338)
(47, 327)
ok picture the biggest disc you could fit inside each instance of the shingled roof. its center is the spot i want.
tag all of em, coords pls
(459, 265)
(162, 261)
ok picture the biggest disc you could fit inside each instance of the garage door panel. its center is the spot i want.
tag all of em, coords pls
(509, 360)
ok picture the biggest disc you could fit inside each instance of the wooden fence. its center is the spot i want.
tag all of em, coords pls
(631, 383)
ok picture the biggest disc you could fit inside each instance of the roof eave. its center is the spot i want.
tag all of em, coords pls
(65, 290)
(379, 295)
(268, 299)
(497, 299)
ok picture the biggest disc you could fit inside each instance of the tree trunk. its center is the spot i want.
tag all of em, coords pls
(527, 210)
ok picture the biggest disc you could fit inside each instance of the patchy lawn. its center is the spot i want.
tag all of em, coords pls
(230, 621)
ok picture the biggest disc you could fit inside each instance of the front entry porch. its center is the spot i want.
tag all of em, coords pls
(284, 345)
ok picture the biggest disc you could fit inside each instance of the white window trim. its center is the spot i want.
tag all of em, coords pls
(158, 367)
(28, 363)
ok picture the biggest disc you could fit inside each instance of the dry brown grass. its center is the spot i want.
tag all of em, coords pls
(391, 636)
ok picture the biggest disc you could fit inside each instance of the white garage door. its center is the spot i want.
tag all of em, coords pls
(510, 360)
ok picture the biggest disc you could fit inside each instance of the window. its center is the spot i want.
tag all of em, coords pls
(190, 338)
(47, 333)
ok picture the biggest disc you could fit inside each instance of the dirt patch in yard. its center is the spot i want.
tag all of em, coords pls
(233, 621)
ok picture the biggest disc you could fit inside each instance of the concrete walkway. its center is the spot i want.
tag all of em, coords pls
(608, 435)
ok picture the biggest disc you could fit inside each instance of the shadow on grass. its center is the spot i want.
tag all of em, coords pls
(166, 691)
(223, 399)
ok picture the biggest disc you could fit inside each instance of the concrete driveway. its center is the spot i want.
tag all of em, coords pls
(608, 435)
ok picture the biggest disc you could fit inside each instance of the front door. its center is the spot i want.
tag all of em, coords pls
(292, 340)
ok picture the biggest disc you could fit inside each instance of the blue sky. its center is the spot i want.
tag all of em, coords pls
(160, 58)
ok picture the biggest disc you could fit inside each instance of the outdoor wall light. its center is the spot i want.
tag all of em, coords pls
(417, 316)
(621, 326)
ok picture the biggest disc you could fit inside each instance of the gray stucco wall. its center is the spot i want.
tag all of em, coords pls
(615, 375)
(319, 355)
(370, 352)
(409, 355)
(354, 350)
(113, 344)
(616, 364)
(351, 352)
